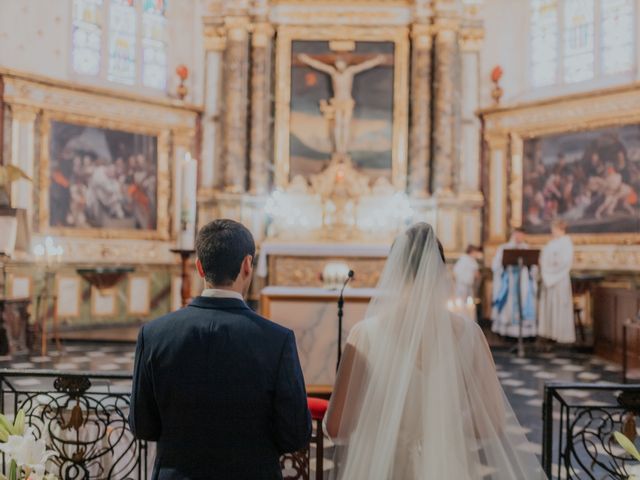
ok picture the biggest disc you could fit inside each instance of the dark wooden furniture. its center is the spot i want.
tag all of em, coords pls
(614, 304)
(14, 325)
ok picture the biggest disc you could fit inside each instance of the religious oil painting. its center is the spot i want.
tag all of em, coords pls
(342, 103)
(590, 179)
(342, 96)
(102, 178)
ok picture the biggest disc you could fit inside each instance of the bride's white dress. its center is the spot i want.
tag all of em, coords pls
(417, 395)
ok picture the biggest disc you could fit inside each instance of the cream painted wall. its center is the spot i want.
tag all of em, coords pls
(35, 37)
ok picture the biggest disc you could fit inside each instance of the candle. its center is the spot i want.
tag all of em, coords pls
(189, 186)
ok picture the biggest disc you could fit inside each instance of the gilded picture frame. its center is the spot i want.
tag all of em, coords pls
(163, 181)
(287, 35)
(508, 129)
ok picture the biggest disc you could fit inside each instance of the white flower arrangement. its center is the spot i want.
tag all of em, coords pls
(26, 453)
(627, 444)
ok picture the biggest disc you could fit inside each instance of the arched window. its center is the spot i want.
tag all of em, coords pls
(122, 41)
(574, 41)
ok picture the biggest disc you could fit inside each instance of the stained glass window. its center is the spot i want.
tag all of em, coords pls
(131, 34)
(578, 40)
(617, 36)
(154, 44)
(544, 42)
(87, 36)
(122, 42)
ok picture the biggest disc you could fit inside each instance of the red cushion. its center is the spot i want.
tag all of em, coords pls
(317, 407)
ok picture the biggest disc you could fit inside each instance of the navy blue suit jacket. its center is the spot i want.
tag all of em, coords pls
(220, 389)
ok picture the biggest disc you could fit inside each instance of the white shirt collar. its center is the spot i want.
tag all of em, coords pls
(221, 293)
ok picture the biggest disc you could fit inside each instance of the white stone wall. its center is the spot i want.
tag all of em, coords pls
(35, 37)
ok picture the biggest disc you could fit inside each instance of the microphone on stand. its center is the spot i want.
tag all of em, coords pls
(340, 314)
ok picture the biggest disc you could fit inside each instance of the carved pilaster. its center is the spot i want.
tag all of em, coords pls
(497, 145)
(210, 165)
(23, 120)
(420, 135)
(236, 71)
(261, 47)
(446, 106)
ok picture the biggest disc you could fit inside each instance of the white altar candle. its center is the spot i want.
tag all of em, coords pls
(189, 186)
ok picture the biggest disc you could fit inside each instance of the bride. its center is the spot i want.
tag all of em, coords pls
(416, 395)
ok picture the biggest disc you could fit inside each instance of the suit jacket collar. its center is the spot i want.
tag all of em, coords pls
(218, 303)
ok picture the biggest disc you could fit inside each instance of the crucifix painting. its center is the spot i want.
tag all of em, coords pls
(341, 106)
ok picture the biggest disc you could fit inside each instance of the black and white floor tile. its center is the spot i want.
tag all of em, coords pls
(523, 379)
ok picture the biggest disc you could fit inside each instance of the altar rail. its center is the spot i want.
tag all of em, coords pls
(579, 421)
(84, 415)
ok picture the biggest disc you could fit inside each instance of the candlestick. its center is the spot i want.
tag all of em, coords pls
(188, 205)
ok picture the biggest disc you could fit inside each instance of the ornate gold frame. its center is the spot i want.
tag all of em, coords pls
(398, 35)
(161, 231)
(506, 129)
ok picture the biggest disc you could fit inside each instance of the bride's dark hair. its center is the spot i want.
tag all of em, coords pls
(418, 234)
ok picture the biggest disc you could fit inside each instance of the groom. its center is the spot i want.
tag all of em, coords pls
(217, 386)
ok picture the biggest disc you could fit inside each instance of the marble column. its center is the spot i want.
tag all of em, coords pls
(469, 160)
(210, 172)
(420, 134)
(446, 106)
(259, 155)
(236, 71)
(23, 155)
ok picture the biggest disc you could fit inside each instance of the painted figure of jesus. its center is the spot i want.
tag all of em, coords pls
(339, 109)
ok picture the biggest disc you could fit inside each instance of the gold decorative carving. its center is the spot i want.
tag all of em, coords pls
(286, 35)
(305, 271)
(23, 113)
(163, 189)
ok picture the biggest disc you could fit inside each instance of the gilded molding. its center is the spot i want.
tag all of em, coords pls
(610, 107)
(163, 177)
(23, 113)
(284, 38)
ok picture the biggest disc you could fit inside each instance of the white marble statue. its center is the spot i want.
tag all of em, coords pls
(339, 109)
(505, 312)
(555, 317)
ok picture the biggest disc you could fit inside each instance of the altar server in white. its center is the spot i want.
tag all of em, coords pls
(466, 272)
(556, 301)
(505, 313)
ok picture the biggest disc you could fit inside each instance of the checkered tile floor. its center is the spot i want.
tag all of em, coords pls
(523, 379)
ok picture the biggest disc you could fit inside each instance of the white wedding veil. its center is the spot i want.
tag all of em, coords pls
(417, 396)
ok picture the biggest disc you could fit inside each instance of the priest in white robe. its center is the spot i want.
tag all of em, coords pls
(555, 320)
(505, 313)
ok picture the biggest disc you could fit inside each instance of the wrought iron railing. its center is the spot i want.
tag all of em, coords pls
(578, 425)
(83, 417)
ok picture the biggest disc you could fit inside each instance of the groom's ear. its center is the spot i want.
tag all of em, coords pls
(199, 268)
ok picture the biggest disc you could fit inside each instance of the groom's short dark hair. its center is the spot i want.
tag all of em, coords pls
(221, 246)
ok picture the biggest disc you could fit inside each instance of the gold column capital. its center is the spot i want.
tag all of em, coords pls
(183, 137)
(214, 37)
(262, 33)
(497, 140)
(471, 38)
(23, 113)
(422, 35)
(237, 27)
(446, 23)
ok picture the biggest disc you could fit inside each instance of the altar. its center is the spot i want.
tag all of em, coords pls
(312, 314)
